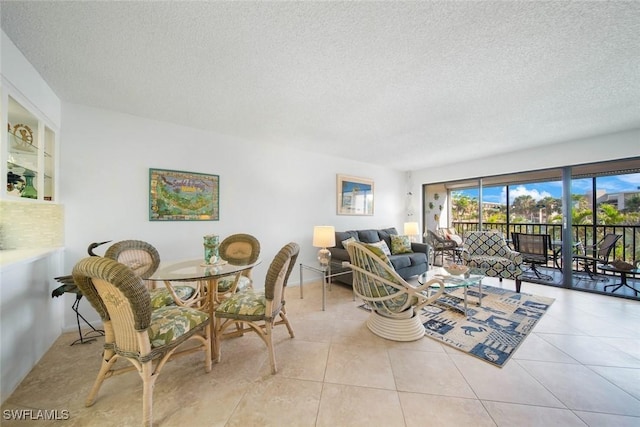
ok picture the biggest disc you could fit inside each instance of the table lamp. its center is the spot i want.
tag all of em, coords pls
(324, 236)
(411, 230)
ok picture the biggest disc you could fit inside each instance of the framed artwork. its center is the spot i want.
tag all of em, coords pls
(183, 196)
(355, 195)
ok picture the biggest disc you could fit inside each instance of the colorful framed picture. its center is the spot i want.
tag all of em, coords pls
(354, 195)
(183, 196)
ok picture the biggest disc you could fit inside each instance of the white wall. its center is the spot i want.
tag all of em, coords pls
(276, 194)
(613, 146)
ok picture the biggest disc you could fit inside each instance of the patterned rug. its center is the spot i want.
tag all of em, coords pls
(494, 331)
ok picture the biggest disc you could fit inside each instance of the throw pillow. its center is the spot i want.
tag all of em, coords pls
(456, 238)
(400, 245)
(348, 241)
(380, 249)
(383, 247)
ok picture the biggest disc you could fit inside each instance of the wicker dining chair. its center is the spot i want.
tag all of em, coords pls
(259, 311)
(144, 259)
(238, 249)
(395, 304)
(147, 338)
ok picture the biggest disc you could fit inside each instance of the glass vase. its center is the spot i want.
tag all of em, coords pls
(29, 191)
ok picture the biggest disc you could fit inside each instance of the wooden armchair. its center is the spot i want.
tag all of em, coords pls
(487, 253)
(135, 332)
(395, 304)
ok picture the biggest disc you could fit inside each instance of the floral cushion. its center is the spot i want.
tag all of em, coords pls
(243, 304)
(161, 297)
(225, 283)
(400, 245)
(171, 322)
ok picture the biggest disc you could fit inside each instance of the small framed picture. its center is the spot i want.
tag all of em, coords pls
(183, 196)
(354, 195)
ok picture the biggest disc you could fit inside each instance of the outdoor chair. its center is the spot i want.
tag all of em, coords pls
(535, 249)
(143, 259)
(395, 304)
(440, 244)
(259, 311)
(602, 251)
(238, 249)
(487, 253)
(134, 331)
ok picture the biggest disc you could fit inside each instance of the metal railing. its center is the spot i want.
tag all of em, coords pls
(627, 248)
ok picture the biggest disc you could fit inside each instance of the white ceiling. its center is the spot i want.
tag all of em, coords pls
(403, 84)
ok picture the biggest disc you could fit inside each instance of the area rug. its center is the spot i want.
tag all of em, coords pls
(493, 331)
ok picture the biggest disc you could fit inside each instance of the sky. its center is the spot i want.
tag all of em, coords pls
(538, 191)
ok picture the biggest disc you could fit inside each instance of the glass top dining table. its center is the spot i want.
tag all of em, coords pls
(204, 278)
(196, 270)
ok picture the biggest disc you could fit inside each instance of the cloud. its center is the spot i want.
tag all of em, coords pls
(521, 190)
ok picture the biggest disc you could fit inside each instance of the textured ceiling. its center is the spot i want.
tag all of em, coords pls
(407, 85)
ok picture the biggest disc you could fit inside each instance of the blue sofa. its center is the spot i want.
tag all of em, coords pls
(406, 265)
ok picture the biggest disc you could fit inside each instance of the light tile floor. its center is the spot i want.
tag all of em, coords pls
(579, 367)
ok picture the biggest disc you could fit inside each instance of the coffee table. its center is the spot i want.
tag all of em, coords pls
(454, 282)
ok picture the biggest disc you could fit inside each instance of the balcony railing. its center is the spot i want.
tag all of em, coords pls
(627, 248)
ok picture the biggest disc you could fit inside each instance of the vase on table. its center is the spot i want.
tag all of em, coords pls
(211, 246)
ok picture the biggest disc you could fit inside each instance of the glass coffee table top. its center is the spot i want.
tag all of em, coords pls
(454, 282)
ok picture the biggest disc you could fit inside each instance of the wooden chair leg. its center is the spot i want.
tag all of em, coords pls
(105, 368)
(268, 334)
(148, 384)
(285, 320)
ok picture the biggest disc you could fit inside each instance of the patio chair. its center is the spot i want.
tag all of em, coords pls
(395, 304)
(602, 251)
(147, 338)
(534, 249)
(260, 312)
(487, 253)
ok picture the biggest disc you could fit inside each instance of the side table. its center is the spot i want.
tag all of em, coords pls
(327, 275)
(623, 277)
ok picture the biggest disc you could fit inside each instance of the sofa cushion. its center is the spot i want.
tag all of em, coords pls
(368, 236)
(345, 235)
(339, 254)
(417, 258)
(400, 261)
(400, 245)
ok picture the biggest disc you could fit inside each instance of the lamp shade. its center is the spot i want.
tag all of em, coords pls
(324, 236)
(411, 228)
